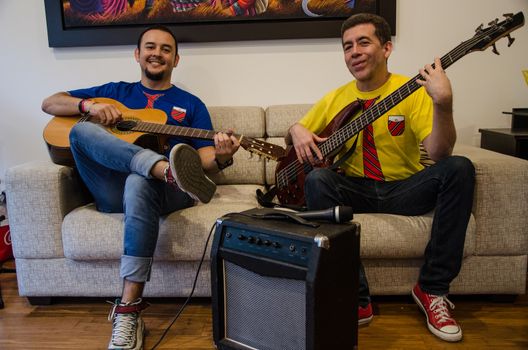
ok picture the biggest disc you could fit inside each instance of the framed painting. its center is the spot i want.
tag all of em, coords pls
(119, 22)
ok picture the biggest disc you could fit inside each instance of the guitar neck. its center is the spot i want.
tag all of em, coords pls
(173, 130)
(337, 139)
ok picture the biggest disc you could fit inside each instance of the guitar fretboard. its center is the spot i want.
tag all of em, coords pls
(173, 130)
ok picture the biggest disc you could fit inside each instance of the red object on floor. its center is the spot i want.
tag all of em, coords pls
(6, 249)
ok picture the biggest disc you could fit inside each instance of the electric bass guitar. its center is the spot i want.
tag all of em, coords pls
(290, 174)
(136, 124)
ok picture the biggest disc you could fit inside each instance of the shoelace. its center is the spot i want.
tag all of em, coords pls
(439, 307)
(124, 329)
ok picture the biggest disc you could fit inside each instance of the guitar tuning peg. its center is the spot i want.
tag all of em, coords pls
(250, 155)
(479, 28)
(510, 40)
(494, 22)
(508, 15)
(495, 51)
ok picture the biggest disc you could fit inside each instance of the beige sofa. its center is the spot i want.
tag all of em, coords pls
(64, 247)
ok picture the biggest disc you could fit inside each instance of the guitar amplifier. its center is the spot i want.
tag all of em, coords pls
(280, 285)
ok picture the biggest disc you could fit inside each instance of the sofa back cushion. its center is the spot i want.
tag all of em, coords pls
(249, 122)
(279, 118)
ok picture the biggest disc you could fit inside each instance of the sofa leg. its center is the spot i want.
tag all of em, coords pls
(39, 300)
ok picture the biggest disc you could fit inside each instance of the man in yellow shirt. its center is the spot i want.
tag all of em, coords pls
(384, 174)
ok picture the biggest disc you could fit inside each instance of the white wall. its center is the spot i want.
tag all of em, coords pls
(269, 72)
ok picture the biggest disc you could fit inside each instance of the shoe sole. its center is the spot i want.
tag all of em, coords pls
(442, 335)
(141, 335)
(366, 320)
(186, 167)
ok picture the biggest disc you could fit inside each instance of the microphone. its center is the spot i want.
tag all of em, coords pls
(338, 214)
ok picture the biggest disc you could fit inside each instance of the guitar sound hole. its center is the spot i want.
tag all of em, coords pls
(125, 125)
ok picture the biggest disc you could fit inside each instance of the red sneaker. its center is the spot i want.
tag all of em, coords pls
(365, 314)
(439, 320)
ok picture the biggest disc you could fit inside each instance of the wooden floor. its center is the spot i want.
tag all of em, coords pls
(487, 323)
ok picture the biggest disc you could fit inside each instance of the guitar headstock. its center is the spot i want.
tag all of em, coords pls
(261, 148)
(486, 37)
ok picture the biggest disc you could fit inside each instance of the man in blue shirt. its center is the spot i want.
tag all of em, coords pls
(139, 182)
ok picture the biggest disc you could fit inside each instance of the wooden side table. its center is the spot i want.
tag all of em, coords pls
(513, 142)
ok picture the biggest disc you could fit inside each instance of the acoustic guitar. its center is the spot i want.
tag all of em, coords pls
(135, 126)
(290, 174)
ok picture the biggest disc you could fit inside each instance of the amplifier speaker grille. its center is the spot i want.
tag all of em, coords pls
(265, 313)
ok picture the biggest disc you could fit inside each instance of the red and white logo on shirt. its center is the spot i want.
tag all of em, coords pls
(178, 113)
(396, 124)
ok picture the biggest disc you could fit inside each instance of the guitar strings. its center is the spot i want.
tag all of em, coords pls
(284, 176)
(260, 147)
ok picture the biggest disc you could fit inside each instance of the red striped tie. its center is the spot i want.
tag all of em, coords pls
(151, 99)
(371, 163)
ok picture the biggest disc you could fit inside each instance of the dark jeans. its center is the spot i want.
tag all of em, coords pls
(446, 186)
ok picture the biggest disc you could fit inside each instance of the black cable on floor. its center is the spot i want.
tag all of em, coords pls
(190, 294)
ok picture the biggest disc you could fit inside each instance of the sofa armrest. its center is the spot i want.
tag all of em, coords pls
(39, 195)
(500, 204)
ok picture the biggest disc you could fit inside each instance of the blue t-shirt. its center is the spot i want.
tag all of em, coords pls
(181, 107)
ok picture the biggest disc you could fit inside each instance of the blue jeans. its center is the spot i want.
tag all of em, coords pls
(117, 174)
(447, 186)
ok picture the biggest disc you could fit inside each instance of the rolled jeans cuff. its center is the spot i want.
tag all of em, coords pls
(136, 268)
(144, 160)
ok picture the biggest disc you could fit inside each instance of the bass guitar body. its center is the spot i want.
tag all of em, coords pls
(290, 174)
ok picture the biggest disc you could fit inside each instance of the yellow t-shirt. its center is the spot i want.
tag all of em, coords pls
(398, 149)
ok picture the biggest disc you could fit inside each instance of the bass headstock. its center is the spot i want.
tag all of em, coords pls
(486, 37)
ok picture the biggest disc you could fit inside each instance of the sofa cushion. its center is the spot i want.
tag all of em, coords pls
(385, 236)
(499, 181)
(183, 233)
(244, 120)
(280, 117)
(247, 121)
(91, 235)
(246, 169)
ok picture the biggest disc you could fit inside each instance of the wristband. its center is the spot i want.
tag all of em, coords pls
(80, 106)
(82, 109)
(222, 166)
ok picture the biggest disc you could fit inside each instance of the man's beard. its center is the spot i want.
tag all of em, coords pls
(154, 76)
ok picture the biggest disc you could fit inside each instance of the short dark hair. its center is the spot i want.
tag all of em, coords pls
(163, 29)
(382, 32)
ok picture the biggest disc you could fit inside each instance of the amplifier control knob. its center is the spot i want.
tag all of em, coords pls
(276, 245)
(241, 237)
(251, 239)
(267, 243)
(292, 248)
